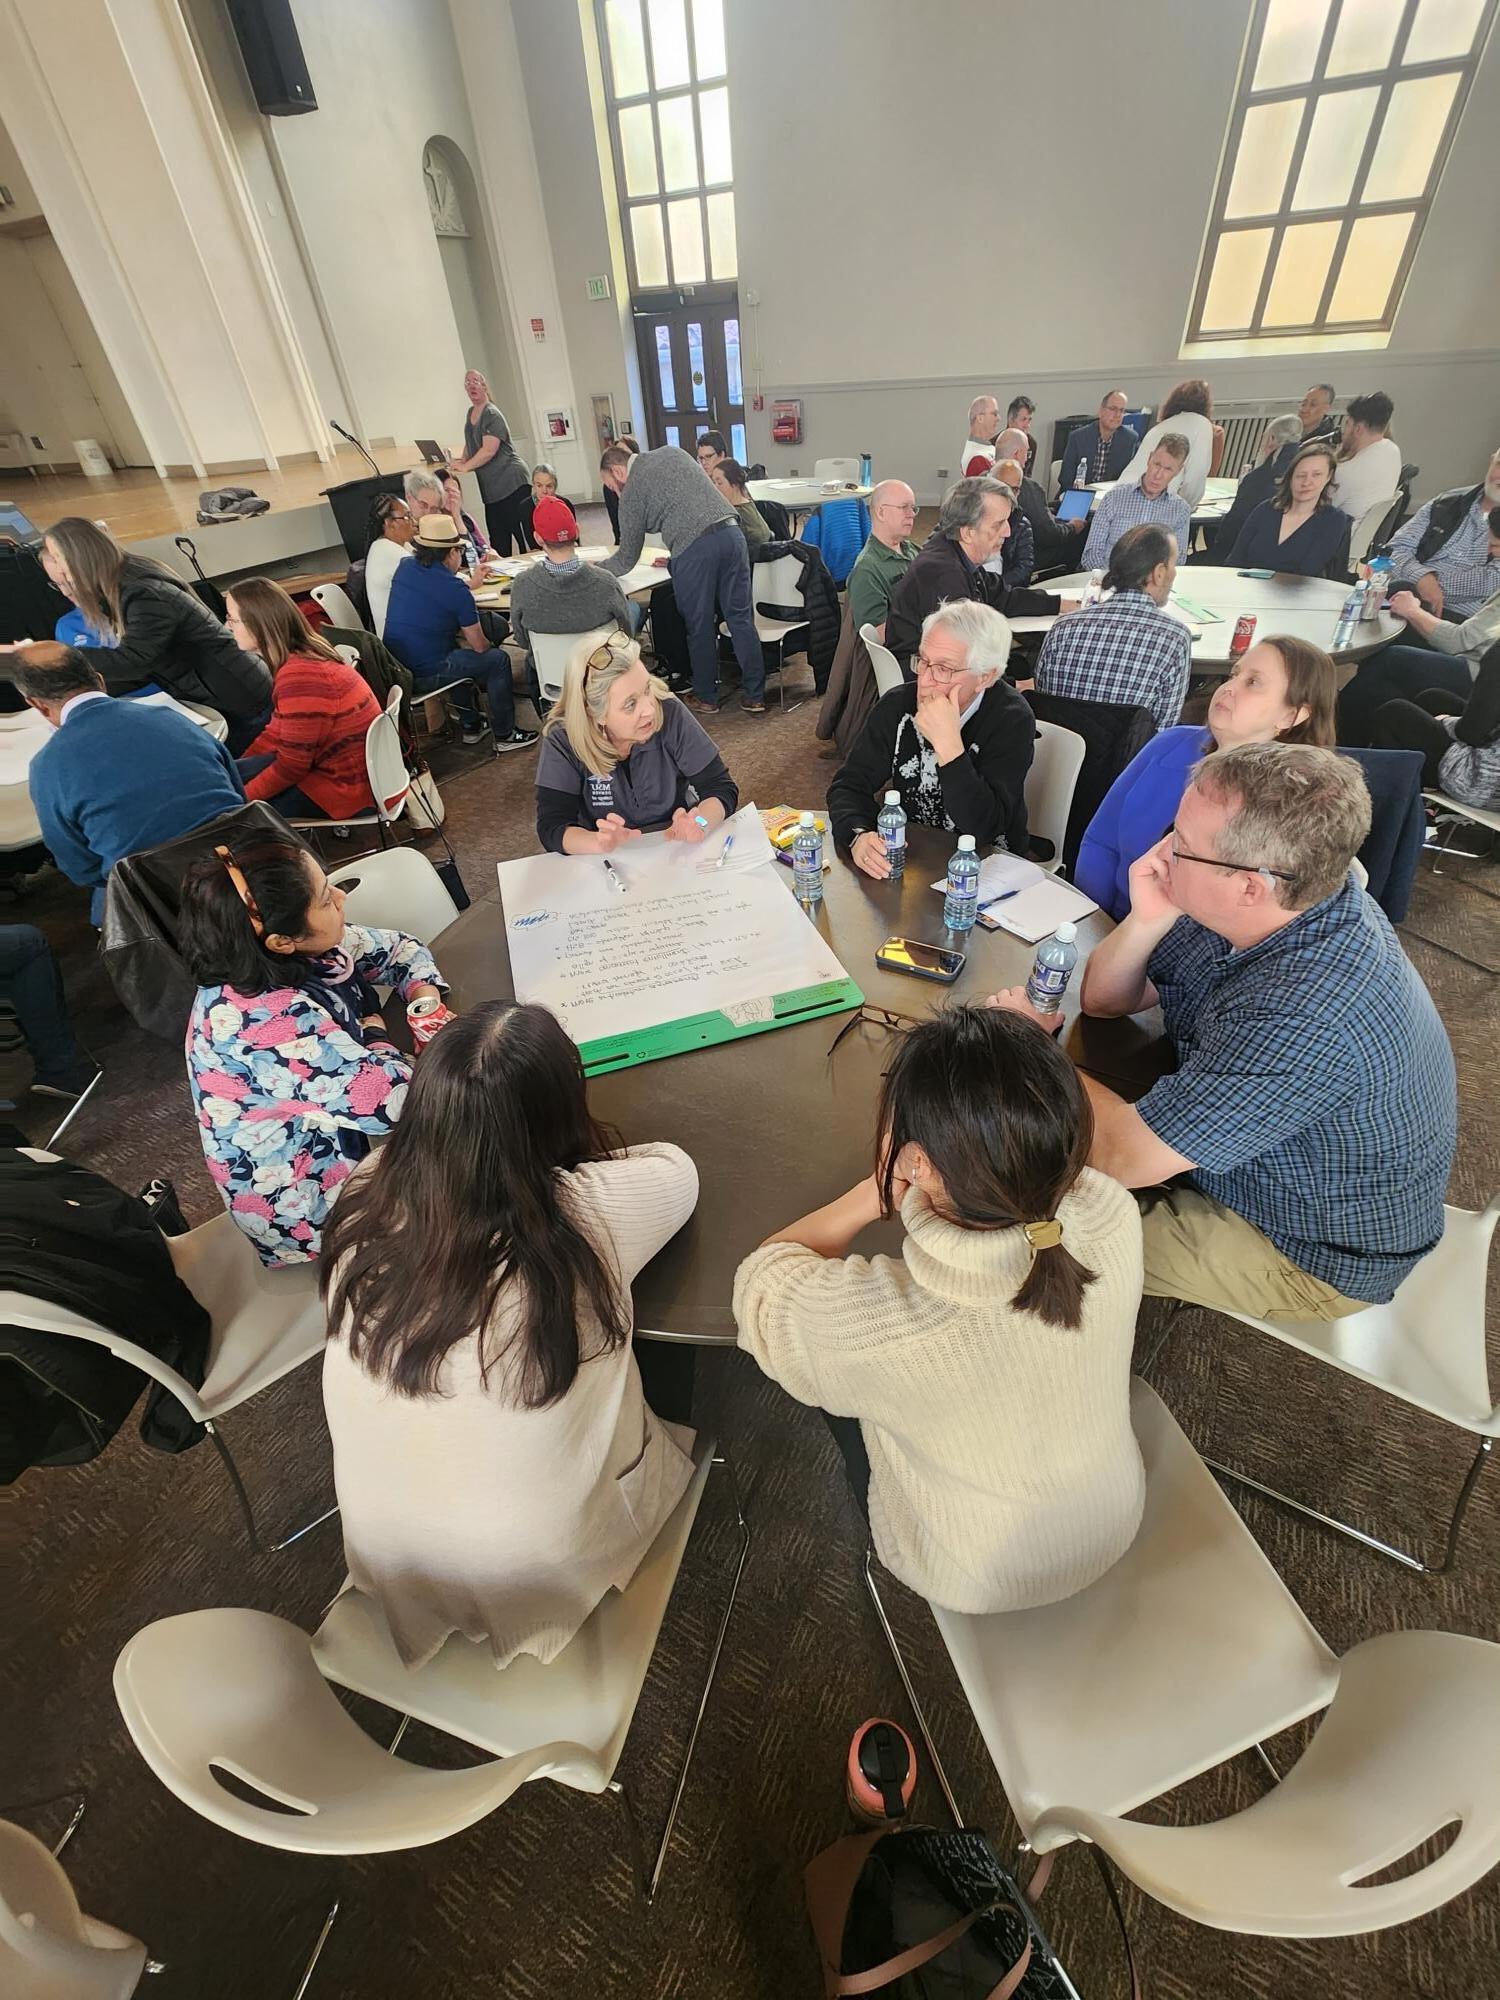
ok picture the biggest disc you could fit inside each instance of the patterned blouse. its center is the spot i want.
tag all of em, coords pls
(288, 1087)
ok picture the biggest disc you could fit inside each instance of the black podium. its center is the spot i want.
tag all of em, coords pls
(351, 502)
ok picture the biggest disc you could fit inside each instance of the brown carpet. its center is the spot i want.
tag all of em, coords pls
(535, 1901)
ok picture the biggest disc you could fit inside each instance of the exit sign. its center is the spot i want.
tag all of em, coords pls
(598, 288)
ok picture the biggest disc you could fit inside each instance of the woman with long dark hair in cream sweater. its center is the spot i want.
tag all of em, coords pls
(988, 1368)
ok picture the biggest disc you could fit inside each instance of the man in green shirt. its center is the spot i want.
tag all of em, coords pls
(885, 557)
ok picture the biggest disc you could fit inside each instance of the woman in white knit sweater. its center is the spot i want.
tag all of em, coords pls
(989, 1368)
(498, 1468)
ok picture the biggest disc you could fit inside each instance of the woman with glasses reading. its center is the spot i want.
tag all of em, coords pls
(978, 1386)
(956, 743)
(621, 757)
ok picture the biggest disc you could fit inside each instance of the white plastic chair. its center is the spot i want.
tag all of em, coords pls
(1454, 811)
(385, 767)
(49, 1950)
(778, 582)
(1427, 1348)
(1054, 481)
(1364, 529)
(1190, 1650)
(399, 890)
(244, 1693)
(553, 652)
(887, 667)
(263, 1325)
(836, 468)
(1050, 784)
(338, 606)
(584, 1700)
(1410, 1746)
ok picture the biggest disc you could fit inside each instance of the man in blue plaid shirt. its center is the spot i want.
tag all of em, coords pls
(1128, 649)
(1313, 1114)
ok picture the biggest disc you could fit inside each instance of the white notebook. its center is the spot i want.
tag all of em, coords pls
(1036, 912)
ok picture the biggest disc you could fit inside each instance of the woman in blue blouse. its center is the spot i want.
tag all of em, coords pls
(1298, 530)
(1282, 691)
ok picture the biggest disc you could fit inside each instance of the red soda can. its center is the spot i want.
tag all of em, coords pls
(425, 1015)
(1244, 632)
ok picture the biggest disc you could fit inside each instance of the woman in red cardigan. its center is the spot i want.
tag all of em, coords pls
(309, 760)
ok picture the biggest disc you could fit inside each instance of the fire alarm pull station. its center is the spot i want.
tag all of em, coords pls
(786, 421)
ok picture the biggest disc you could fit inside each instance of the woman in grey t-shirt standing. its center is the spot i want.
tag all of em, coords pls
(504, 481)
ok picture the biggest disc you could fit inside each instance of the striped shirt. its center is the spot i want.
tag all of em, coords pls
(1314, 1090)
(1126, 507)
(1463, 564)
(1125, 650)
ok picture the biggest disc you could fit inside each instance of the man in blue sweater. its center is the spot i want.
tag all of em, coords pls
(117, 777)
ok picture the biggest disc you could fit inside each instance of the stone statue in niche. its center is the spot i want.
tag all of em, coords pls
(442, 196)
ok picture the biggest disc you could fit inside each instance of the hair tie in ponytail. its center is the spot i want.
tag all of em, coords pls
(1043, 1235)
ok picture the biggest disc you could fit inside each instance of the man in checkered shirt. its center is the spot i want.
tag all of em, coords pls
(1145, 499)
(1309, 1127)
(1127, 649)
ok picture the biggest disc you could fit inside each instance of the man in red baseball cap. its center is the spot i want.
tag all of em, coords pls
(562, 593)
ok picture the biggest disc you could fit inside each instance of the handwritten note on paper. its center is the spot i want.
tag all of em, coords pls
(675, 944)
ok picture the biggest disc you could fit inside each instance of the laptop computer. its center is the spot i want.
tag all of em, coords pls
(432, 453)
(18, 527)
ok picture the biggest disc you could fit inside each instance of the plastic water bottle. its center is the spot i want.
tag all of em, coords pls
(1343, 632)
(1055, 960)
(866, 468)
(807, 862)
(1093, 590)
(1081, 476)
(891, 826)
(961, 903)
(1377, 585)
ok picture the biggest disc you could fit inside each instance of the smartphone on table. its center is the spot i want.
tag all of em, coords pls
(922, 961)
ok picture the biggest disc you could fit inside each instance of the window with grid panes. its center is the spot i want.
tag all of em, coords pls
(1344, 116)
(668, 94)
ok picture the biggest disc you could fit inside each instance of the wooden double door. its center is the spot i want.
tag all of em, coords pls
(691, 372)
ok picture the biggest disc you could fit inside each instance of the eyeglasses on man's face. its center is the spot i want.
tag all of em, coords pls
(1235, 867)
(937, 671)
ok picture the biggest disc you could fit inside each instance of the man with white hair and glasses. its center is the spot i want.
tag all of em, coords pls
(956, 742)
(977, 453)
(1294, 1164)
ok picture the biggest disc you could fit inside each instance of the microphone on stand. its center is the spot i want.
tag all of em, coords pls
(350, 438)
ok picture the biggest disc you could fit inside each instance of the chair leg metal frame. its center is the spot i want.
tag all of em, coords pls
(75, 1108)
(226, 1457)
(913, 1701)
(80, 1807)
(646, 1887)
(1368, 1541)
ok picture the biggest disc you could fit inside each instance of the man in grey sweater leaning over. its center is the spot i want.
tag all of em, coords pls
(666, 493)
(562, 593)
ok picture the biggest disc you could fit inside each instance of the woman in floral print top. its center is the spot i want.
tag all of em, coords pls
(291, 1068)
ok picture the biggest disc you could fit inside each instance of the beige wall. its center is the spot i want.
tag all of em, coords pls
(549, 36)
(899, 277)
(388, 78)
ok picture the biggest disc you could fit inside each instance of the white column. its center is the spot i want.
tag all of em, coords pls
(510, 193)
(110, 114)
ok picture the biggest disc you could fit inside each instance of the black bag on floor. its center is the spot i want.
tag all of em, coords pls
(926, 1915)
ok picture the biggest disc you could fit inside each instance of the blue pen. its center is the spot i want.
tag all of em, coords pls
(614, 878)
(724, 850)
(1004, 897)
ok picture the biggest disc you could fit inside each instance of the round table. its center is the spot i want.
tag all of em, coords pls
(1299, 607)
(783, 1122)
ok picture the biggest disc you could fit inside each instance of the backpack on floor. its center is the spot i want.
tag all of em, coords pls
(912, 1913)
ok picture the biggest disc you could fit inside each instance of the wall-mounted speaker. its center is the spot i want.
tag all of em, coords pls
(274, 62)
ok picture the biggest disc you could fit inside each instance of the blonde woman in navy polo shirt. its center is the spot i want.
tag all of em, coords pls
(621, 756)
